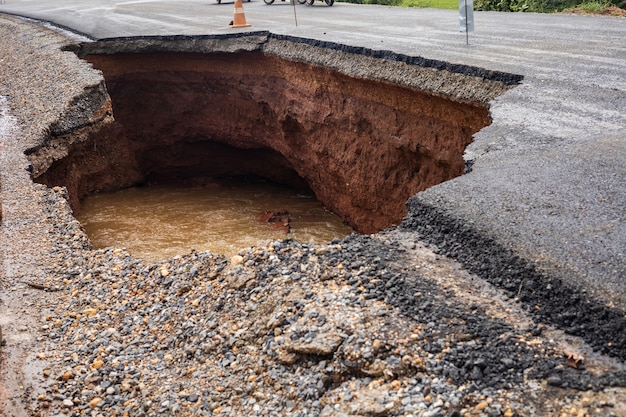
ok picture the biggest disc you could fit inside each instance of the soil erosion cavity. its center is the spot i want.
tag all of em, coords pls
(362, 144)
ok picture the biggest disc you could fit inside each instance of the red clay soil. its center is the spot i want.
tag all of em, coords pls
(362, 146)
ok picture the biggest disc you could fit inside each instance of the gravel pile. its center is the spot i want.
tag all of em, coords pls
(291, 329)
(365, 326)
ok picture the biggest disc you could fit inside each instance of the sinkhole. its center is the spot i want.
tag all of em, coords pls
(358, 129)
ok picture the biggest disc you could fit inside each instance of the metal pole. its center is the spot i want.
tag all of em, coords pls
(466, 24)
(293, 3)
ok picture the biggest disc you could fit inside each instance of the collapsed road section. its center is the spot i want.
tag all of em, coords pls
(367, 325)
(363, 132)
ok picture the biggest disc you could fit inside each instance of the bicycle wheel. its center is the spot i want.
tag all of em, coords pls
(267, 1)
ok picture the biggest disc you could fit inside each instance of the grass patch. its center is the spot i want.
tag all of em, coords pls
(605, 7)
(592, 7)
(432, 4)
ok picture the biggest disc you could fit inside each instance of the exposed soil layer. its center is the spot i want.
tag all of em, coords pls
(362, 146)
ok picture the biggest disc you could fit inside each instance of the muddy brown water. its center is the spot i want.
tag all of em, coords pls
(157, 222)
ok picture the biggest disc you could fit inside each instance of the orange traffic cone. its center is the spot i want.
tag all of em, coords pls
(239, 20)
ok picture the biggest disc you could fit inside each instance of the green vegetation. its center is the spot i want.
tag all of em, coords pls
(540, 6)
(434, 4)
(595, 7)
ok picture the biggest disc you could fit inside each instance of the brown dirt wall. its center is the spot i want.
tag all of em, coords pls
(362, 146)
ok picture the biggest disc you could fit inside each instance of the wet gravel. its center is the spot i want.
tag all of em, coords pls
(376, 325)
(289, 329)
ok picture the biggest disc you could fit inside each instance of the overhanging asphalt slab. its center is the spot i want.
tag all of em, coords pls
(548, 179)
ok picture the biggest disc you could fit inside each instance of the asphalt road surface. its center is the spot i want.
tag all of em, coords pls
(549, 175)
